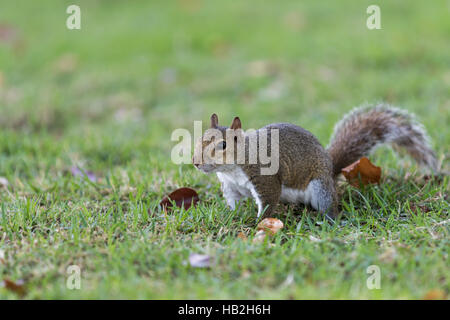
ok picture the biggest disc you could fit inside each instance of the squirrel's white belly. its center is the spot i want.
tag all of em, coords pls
(237, 180)
(298, 196)
(236, 184)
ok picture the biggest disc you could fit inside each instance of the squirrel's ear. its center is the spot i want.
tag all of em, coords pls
(214, 121)
(236, 124)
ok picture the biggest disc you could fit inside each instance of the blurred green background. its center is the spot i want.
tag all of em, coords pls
(159, 65)
(108, 96)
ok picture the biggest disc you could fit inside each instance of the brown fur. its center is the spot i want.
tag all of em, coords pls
(362, 130)
(303, 162)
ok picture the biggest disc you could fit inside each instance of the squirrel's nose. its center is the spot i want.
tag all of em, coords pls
(195, 164)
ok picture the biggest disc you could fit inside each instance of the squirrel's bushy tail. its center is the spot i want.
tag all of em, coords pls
(365, 128)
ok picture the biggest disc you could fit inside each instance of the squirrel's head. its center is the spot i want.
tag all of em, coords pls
(219, 146)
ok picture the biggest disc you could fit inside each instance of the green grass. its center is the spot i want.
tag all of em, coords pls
(108, 96)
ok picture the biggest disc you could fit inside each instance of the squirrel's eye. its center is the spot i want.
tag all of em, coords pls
(221, 145)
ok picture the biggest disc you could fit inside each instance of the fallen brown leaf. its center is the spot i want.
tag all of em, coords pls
(67, 63)
(3, 182)
(8, 33)
(362, 172)
(259, 236)
(314, 239)
(183, 197)
(242, 236)
(389, 255)
(17, 287)
(78, 172)
(435, 294)
(200, 260)
(294, 21)
(2, 257)
(11, 36)
(267, 227)
(272, 225)
(261, 68)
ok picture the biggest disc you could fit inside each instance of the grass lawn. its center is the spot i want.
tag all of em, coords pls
(106, 98)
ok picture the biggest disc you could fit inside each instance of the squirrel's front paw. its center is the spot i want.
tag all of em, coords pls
(233, 205)
(233, 202)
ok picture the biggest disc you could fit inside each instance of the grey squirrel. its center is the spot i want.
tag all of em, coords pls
(307, 172)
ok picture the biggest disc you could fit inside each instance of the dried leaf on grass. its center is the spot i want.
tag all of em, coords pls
(200, 260)
(16, 287)
(77, 172)
(272, 225)
(268, 226)
(242, 236)
(3, 182)
(183, 197)
(259, 236)
(389, 255)
(2, 257)
(67, 63)
(435, 294)
(362, 172)
(314, 239)
(8, 34)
